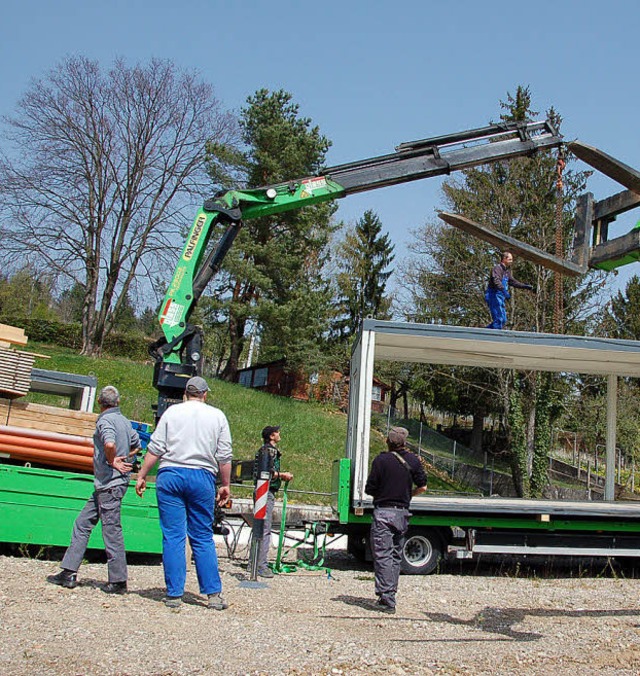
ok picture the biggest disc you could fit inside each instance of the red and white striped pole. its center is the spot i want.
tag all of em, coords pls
(263, 479)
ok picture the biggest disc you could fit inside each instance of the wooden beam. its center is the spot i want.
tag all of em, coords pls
(526, 251)
(616, 252)
(609, 166)
(12, 334)
(610, 207)
(583, 228)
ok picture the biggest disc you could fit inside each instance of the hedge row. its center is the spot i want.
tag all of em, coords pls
(134, 346)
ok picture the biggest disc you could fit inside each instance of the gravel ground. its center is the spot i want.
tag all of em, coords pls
(310, 623)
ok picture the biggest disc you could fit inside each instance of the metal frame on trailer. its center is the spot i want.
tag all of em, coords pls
(462, 346)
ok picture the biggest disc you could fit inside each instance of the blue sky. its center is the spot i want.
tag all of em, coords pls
(371, 74)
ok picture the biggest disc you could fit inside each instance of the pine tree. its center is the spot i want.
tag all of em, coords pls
(273, 275)
(364, 256)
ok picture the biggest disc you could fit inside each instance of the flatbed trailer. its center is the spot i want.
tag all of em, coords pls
(469, 525)
(38, 506)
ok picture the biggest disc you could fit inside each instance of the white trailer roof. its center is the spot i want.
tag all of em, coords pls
(462, 346)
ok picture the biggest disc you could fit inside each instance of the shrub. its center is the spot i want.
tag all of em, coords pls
(131, 345)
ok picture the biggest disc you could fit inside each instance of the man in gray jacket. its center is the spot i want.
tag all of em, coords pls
(115, 444)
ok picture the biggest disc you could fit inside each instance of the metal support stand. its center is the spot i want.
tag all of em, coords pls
(313, 533)
(263, 478)
(612, 400)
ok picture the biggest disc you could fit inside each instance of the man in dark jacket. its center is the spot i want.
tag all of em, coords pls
(270, 437)
(497, 292)
(390, 482)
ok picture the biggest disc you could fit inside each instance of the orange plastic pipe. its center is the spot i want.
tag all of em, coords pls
(48, 457)
(45, 444)
(41, 434)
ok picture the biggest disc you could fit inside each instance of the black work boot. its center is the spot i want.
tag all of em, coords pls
(115, 588)
(65, 578)
(385, 606)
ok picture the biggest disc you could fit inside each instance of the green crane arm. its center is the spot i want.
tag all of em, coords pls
(178, 352)
(194, 271)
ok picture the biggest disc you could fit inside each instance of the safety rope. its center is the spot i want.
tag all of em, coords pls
(311, 530)
(558, 308)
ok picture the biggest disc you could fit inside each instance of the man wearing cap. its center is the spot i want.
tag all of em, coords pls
(270, 437)
(390, 482)
(192, 441)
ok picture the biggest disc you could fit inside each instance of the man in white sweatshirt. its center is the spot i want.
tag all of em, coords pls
(193, 444)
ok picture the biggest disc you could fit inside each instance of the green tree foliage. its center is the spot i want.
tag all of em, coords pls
(628, 426)
(148, 321)
(27, 294)
(272, 277)
(544, 414)
(622, 318)
(516, 426)
(586, 416)
(364, 259)
(70, 303)
(125, 319)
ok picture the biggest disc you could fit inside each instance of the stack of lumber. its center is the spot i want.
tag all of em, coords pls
(35, 433)
(47, 418)
(62, 451)
(15, 365)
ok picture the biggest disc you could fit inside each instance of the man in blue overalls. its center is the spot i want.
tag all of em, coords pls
(497, 292)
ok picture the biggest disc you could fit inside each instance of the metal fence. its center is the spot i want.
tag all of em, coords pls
(448, 455)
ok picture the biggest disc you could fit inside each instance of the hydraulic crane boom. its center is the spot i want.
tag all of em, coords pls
(178, 353)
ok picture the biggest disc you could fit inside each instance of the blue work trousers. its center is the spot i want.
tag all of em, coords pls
(496, 300)
(186, 499)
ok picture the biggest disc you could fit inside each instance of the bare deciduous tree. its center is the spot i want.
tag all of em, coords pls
(98, 169)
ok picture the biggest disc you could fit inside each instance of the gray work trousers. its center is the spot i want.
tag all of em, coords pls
(103, 505)
(265, 544)
(388, 530)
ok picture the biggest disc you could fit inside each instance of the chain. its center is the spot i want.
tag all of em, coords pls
(558, 309)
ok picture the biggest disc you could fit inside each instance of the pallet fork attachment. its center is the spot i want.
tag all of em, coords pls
(594, 217)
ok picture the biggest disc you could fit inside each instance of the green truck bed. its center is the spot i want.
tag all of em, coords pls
(39, 506)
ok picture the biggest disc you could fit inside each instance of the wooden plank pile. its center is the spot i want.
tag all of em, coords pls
(47, 418)
(15, 365)
(35, 433)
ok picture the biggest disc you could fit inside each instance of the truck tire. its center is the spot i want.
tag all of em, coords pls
(357, 546)
(422, 551)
